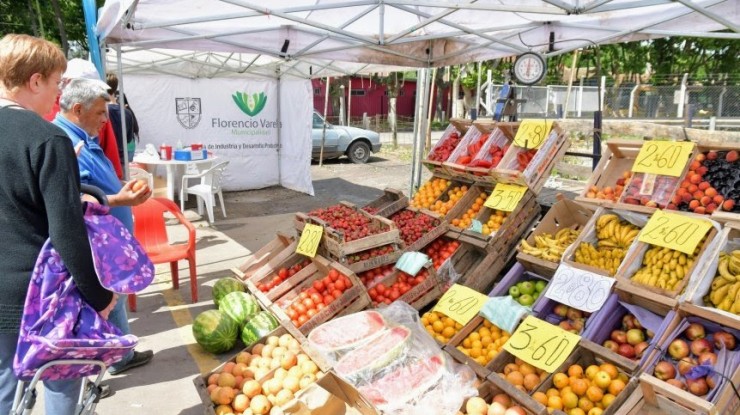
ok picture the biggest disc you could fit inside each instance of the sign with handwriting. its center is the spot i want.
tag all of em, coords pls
(678, 232)
(578, 288)
(505, 197)
(666, 158)
(461, 303)
(310, 238)
(541, 344)
(532, 133)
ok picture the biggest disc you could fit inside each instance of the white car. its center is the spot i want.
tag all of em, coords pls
(355, 143)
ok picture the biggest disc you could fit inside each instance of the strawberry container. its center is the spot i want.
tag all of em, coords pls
(418, 228)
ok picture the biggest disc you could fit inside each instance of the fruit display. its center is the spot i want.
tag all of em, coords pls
(271, 281)
(483, 344)
(347, 332)
(413, 225)
(568, 318)
(215, 331)
(382, 294)
(467, 153)
(631, 340)
(239, 306)
(370, 253)
(522, 375)
(550, 247)
(224, 286)
(353, 224)
(579, 391)
(259, 326)
(439, 326)
(444, 148)
(441, 249)
(466, 219)
(501, 404)
(429, 192)
(710, 184)
(494, 221)
(453, 196)
(610, 193)
(614, 239)
(523, 157)
(650, 191)
(724, 293)
(695, 346)
(372, 276)
(527, 292)
(316, 297)
(268, 376)
(666, 268)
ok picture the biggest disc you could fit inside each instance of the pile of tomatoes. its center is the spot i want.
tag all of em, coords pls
(370, 277)
(445, 147)
(370, 253)
(441, 249)
(282, 275)
(318, 296)
(380, 294)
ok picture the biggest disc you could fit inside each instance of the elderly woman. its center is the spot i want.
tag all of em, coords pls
(39, 199)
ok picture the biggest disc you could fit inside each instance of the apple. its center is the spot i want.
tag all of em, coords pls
(628, 322)
(695, 331)
(619, 336)
(515, 410)
(700, 346)
(664, 370)
(637, 324)
(698, 387)
(496, 409)
(561, 310)
(574, 314)
(635, 336)
(711, 382)
(650, 334)
(611, 345)
(578, 324)
(677, 383)
(707, 358)
(626, 350)
(540, 286)
(526, 287)
(525, 299)
(514, 291)
(640, 348)
(685, 364)
(724, 339)
(565, 325)
(678, 349)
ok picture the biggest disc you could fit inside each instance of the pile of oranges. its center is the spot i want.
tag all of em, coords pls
(429, 192)
(495, 221)
(439, 326)
(523, 376)
(466, 219)
(483, 344)
(453, 196)
(580, 392)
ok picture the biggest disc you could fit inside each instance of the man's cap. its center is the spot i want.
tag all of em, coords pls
(82, 69)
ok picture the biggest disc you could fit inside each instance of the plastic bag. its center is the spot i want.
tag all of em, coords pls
(700, 286)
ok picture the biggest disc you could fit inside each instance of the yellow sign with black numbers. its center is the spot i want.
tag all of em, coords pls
(541, 344)
(505, 197)
(678, 232)
(532, 133)
(666, 158)
(310, 239)
(461, 303)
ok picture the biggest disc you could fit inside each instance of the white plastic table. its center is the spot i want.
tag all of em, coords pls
(172, 167)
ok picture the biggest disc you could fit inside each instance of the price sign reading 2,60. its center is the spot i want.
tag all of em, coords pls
(310, 238)
(541, 344)
(666, 158)
(673, 231)
(461, 303)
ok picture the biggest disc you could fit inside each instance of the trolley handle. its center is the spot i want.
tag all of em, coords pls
(94, 192)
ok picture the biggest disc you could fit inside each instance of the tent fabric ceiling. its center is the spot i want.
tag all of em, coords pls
(316, 38)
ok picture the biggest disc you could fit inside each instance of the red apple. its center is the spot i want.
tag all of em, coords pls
(565, 325)
(707, 358)
(724, 339)
(677, 383)
(628, 322)
(636, 322)
(611, 345)
(700, 346)
(685, 364)
(640, 348)
(695, 331)
(635, 336)
(619, 336)
(710, 382)
(678, 349)
(626, 350)
(664, 370)
(578, 324)
(561, 310)
(574, 314)
(698, 387)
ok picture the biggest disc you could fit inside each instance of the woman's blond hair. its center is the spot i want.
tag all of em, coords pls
(21, 56)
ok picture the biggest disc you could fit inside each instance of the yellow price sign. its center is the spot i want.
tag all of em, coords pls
(461, 303)
(666, 158)
(310, 238)
(532, 133)
(505, 197)
(672, 231)
(541, 344)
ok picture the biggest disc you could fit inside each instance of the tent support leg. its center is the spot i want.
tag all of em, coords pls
(121, 101)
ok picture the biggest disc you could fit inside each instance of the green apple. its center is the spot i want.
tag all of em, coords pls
(526, 287)
(536, 295)
(525, 299)
(540, 286)
(514, 291)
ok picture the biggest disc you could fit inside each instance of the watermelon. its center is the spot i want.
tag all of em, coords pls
(347, 332)
(215, 331)
(375, 354)
(405, 383)
(239, 306)
(258, 327)
(225, 286)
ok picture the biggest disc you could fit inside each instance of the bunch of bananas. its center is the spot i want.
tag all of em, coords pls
(549, 247)
(614, 238)
(665, 268)
(725, 291)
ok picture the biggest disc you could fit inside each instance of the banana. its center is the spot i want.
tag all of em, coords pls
(606, 219)
(722, 268)
(718, 295)
(718, 282)
(550, 247)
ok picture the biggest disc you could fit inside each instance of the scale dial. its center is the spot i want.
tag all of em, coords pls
(529, 68)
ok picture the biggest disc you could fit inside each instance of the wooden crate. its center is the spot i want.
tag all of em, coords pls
(498, 137)
(466, 259)
(391, 202)
(514, 227)
(453, 182)
(457, 340)
(436, 165)
(263, 255)
(461, 124)
(267, 298)
(538, 170)
(563, 214)
(527, 203)
(452, 166)
(617, 157)
(430, 236)
(418, 296)
(355, 262)
(653, 396)
(466, 203)
(487, 390)
(496, 377)
(515, 275)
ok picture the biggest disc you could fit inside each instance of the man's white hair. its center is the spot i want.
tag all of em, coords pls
(83, 91)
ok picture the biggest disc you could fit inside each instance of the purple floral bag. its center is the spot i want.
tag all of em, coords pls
(58, 324)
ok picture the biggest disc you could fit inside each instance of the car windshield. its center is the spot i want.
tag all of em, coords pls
(318, 122)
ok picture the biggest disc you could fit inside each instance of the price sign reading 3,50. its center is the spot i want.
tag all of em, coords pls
(532, 133)
(667, 158)
(577, 288)
(310, 238)
(461, 303)
(541, 344)
(505, 197)
(672, 231)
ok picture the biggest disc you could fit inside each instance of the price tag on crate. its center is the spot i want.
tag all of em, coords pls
(461, 303)
(310, 238)
(505, 197)
(541, 344)
(666, 158)
(672, 231)
(532, 133)
(577, 288)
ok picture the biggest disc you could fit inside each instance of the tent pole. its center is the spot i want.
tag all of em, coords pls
(121, 105)
(422, 125)
(279, 124)
(570, 82)
(323, 133)
(414, 140)
(477, 94)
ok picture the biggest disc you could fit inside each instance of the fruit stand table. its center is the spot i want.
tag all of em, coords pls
(175, 168)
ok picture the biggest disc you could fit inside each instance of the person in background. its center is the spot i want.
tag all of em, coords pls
(114, 115)
(39, 200)
(83, 111)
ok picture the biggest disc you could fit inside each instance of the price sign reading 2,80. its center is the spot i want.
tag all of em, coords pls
(541, 344)
(666, 158)
(310, 238)
(673, 231)
(532, 133)
(577, 288)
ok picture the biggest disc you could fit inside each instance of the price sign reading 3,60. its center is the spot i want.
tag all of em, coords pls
(532, 133)
(461, 303)
(310, 238)
(541, 344)
(505, 197)
(666, 158)
(577, 288)
(672, 231)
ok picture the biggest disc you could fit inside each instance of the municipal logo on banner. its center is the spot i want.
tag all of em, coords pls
(188, 112)
(250, 105)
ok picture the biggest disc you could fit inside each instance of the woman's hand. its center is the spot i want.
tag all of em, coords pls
(106, 312)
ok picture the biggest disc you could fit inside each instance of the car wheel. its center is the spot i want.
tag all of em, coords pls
(358, 152)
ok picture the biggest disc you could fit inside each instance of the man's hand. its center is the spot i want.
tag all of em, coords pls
(106, 312)
(132, 194)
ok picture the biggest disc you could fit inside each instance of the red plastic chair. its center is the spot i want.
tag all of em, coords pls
(150, 230)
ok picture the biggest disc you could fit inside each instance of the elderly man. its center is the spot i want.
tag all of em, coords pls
(83, 110)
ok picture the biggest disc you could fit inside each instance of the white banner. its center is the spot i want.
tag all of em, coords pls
(235, 119)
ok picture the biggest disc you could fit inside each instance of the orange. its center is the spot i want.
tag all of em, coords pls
(596, 411)
(511, 367)
(555, 402)
(585, 404)
(448, 332)
(594, 393)
(575, 371)
(540, 397)
(607, 400)
(591, 371)
(560, 380)
(438, 326)
(602, 379)
(579, 386)
(527, 369)
(531, 381)
(552, 392)
(610, 369)
(616, 387)
(515, 378)
(576, 411)
(570, 400)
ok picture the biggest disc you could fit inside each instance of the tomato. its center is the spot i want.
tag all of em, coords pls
(275, 281)
(380, 288)
(334, 275)
(372, 292)
(317, 298)
(283, 273)
(331, 287)
(303, 295)
(302, 319)
(347, 281)
(403, 289)
(394, 294)
(336, 294)
(339, 285)
(299, 308)
(418, 280)
(326, 281)
(294, 321)
(308, 303)
(387, 301)
(312, 312)
(291, 313)
(328, 299)
(291, 272)
(320, 306)
(318, 285)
